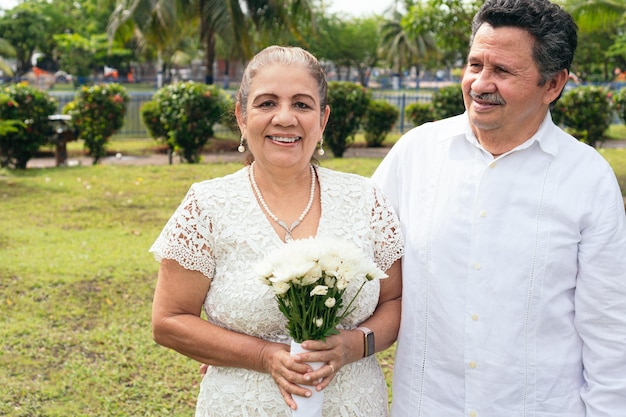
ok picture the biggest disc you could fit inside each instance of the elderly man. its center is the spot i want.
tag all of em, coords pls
(514, 274)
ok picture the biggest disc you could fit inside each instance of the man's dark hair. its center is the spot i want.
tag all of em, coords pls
(552, 28)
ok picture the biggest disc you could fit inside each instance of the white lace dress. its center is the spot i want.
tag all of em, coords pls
(220, 230)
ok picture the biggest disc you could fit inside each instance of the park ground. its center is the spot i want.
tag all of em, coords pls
(218, 155)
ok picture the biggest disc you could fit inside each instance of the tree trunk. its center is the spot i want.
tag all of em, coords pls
(207, 35)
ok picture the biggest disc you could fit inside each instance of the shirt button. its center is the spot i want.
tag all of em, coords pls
(473, 413)
(472, 365)
(493, 165)
(483, 213)
(475, 317)
(476, 265)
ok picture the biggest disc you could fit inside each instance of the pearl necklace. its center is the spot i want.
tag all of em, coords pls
(272, 216)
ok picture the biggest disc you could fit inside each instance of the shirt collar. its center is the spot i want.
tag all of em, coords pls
(546, 141)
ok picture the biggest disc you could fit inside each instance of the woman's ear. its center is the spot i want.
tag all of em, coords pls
(325, 117)
(240, 119)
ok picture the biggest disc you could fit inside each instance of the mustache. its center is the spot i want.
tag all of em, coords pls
(488, 97)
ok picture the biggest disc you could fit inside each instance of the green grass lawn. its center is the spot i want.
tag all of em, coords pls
(616, 131)
(76, 283)
(617, 159)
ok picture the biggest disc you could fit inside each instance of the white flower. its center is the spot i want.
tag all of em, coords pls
(342, 283)
(329, 280)
(376, 274)
(264, 270)
(280, 288)
(330, 302)
(319, 322)
(291, 269)
(312, 275)
(331, 262)
(319, 290)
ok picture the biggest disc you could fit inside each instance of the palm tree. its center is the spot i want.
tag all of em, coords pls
(6, 50)
(228, 20)
(596, 14)
(603, 19)
(149, 24)
(401, 49)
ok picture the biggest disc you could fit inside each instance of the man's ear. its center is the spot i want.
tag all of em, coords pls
(555, 86)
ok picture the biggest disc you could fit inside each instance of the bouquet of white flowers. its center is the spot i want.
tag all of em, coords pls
(309, 278)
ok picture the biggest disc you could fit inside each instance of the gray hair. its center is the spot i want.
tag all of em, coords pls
(552, 28)
(285, 55)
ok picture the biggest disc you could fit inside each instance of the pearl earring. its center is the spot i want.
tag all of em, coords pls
(320, 150)
(241, 148)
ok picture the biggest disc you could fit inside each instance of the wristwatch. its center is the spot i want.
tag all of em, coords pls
(368, 341)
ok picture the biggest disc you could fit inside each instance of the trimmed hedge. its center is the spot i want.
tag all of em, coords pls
(98, 112)
(379, 119)
(584, 112)
(348, 103)
(25, 110)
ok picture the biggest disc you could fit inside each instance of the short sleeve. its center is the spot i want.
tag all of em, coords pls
(389, 240)
(186, 238)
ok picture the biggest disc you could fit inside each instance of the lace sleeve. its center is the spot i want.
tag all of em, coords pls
(186, 238)
(389, 240)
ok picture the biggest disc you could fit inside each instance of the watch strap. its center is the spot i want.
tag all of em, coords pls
(368, 341)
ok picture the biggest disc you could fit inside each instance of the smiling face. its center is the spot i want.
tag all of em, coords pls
(283, 121)
(502, 88)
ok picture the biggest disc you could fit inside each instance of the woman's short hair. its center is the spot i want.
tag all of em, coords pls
(285, 55)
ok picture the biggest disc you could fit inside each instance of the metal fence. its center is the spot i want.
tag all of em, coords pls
(134, 128)
(133, 125)
(401, 100)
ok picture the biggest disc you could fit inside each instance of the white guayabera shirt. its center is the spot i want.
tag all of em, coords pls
(514, 276)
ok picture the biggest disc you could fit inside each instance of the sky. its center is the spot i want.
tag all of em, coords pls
(359, 8)
(7, 4)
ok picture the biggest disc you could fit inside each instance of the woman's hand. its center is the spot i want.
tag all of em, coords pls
(337, 351)
(286, 372)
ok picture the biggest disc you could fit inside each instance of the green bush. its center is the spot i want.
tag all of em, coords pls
(379, 119)
(585, 112)
(98, 112)
(348, 103)
(448, 101)
(189, 110)
(229, 121)
(8, 126)
(151, 118)
(29, 107)
(419, 113)
(620, 104)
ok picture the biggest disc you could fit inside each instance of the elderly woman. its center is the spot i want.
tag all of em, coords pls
(224, 226)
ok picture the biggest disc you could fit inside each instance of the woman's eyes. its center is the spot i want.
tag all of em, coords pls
(270, 103)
